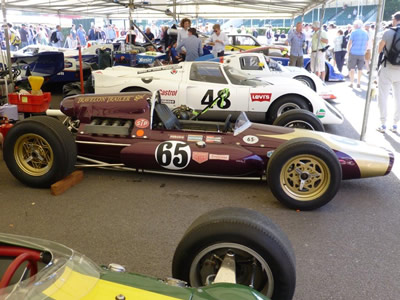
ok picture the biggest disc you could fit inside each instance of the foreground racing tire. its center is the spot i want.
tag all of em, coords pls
(262, 252)
(304, 174)
(299, 118)
(285, 104)
(39, 151)
(306, 81)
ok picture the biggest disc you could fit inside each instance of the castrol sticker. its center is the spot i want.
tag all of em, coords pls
(142, 123)
(260, 97)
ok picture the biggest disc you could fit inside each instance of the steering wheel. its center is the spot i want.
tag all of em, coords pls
(22, 255)
(227, 123)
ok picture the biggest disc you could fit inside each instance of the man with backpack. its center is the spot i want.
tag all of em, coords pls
(15, 40)
(57, 38)
(389, 73)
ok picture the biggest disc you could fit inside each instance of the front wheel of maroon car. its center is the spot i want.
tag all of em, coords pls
(237, 245)
(304, 174)
(39, 151)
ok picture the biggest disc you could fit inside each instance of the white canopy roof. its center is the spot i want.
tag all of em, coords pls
(212, 9)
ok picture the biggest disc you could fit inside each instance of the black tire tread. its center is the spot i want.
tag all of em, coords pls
(291, 115)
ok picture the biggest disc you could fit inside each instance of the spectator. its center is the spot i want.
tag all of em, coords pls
(73, 37)
(24, 34)
(269, 34)
(81, 33)
(69, 42)
(57, 38)
(176, 58)
(357, 47)
(42, 37)
(92, 33)
(339, 48)
(15, 40)
(308, 34)
(389, 77)
(149, 34)
(254, 32)
(368, 53)
(296, 40)
(192, 45)
(32, 35)
(131, 36)
(110, 33)
(165, 37)
(183, 31)
(317, 53)
(218, 40)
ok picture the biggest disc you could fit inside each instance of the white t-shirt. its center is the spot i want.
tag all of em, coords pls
(218, 47)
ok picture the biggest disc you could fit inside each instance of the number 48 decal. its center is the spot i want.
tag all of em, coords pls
(173, 155)
(208, 99)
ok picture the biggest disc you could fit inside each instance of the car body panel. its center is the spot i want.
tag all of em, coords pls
(195, 84)
(280, 54)
(201, 147)
(70, 275)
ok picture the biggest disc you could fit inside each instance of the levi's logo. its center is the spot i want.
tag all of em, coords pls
(261, 97)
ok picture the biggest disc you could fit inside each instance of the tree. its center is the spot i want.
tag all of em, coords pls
(391, 6)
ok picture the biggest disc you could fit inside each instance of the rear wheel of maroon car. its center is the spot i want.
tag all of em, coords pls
(285, 104)
(239, 246)
(39, 151)
(299, 118)
(304, 174)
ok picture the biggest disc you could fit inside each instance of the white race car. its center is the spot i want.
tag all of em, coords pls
(259, 65)
(196, 84)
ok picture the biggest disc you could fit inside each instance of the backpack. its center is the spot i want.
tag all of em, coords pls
(15, 39)
(269, 34)
(345, 41)
(393, 54)
(53, 37)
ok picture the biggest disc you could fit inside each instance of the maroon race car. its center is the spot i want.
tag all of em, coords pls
(137, 131)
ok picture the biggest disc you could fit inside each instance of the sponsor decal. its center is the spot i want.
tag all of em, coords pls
(176, 137)
(200, 157)
(142, 123)
(321, 113)
(168, 92)
(260, 97)
(167, 101)
(213, 139)
(145, 60)
(173, 72)
(108, 99)
(194, 138)
(269, 153)
(173, 155)
(250, 139)
(140, 132)
(219, 156)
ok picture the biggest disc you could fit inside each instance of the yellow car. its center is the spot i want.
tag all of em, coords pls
(241, 42)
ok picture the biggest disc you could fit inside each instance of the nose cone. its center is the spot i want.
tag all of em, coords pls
(68, 106)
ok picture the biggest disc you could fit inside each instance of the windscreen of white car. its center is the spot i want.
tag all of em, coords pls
(274, 65)
(250, 63)
(207, 73)
(239, 77)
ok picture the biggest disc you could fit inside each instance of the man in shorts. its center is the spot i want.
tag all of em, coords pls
(389, 78)
(317, 55)
(357, 48)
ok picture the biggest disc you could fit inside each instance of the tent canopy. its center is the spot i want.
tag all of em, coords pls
(211, 9)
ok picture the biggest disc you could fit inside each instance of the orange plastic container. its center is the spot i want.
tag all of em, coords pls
(30, 103)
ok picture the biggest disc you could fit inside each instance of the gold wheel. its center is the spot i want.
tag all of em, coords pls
(33, 154)
(305, 177)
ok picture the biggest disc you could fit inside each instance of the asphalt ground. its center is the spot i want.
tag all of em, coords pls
(348, 249)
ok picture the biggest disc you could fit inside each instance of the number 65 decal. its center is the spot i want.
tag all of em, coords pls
(173, 155)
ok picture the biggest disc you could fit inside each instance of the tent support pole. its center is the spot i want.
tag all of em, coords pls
(319, 36)
(374, 62)
(7, 38)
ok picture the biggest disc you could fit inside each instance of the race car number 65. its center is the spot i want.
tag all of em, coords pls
(173, 155)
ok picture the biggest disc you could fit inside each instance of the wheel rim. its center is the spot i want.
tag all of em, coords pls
(206, 263)
(33, 154)
(300, 124)
(304, 81)
(286, 107)
(305, 177)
